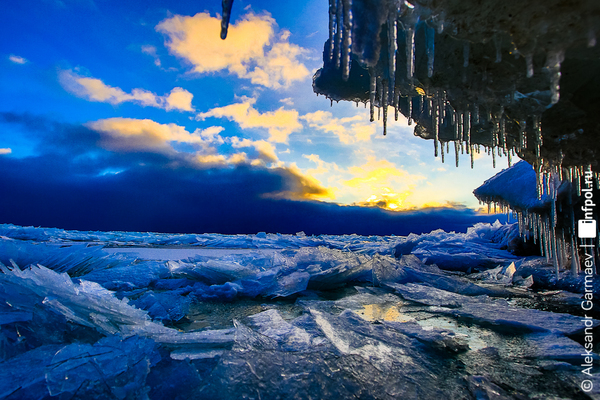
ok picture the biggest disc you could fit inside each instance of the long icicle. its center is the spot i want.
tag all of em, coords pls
(372, 92)
(226, 5)
(347, 40)
(332, 24)
(338, 33)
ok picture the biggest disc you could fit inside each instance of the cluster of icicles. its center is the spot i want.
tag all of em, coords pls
(405, 16)
(556, 241)
(443, 116)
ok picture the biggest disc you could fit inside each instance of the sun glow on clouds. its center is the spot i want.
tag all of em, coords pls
(301, 187)
(5, 151)
(252, 50)
(128, 135)
(93, 89)
(374, 183)
(279, 123)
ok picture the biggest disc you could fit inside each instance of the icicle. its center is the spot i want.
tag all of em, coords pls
(500, 125)
(458, 125)
(435, 126)
(441, 17)
(332, 22)
(392, 47)
(522, 144)
(347, 40)
(372, 92)
(456, 151)
(537, 131)
(409, 110)
(226, 5)
(553, 212)
(442, 151)
(443, 104)
(493, 159)
(430, 37)
(466, 55)
(338, 34)
(385, 106)
(536, 228)
(410, 51)
(440, 112)
(574, 265)
(498, 44)
(529, 61)
(539, 177)
(380, 90)
(577, 182)
(553, 61)
(467, 128)
(472, 157)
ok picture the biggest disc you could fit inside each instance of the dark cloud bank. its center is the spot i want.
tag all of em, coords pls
(62, 187)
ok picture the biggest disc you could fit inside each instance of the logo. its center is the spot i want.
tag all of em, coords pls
(586, 228)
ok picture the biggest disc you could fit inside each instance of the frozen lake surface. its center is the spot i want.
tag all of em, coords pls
(136, 315)
(179, 253)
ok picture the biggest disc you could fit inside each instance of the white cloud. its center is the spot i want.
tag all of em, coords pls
(5, 151)
(17, 59)
(349, 130)
(280, 123)
(265, 150)
(323, 167)
(288, 101)
(93, 89)
(252, 50)
(151, 51)
(179, 99)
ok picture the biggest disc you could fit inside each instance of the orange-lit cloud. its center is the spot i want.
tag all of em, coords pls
(349, 130)
(5, 151)
(127, 135)
(300, 186)
(93, 89)
(279, 123)
(252, 50)
(265, 150)
(131, 135)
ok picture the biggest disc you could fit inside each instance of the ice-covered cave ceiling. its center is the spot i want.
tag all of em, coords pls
(503, 77)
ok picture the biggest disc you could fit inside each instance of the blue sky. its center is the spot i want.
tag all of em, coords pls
(104, 91)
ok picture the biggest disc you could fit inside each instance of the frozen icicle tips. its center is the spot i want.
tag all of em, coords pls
(227, 5)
